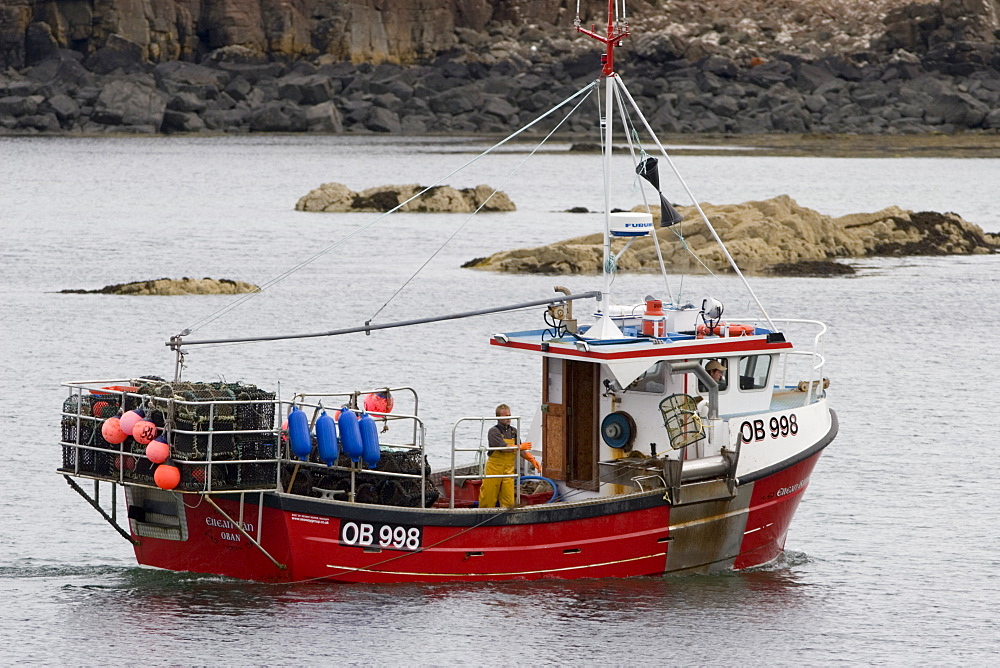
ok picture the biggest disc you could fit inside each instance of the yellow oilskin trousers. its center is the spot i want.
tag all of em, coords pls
(499, 463)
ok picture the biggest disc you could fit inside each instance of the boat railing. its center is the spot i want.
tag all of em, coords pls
(815, 376)
(482, 451)
(408, 455)
(351, 400)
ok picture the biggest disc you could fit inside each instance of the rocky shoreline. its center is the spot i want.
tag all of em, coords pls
(925, 68)
(776, 236)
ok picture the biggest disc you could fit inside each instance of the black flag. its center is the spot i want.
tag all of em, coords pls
(648, 170)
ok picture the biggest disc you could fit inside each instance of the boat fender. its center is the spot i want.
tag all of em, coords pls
(298, 434)
(112, 432)
(725, 330)
(370, 453)
(326, 439)
(158, 450)
(350, 434)
(130, 418)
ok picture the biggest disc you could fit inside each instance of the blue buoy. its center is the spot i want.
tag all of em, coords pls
(326, 439)
(350, 434)
(298, 434)
(369, 441)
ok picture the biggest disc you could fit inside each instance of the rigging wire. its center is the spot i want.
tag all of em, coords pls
(630, 134)
(285, 274)
(479, 208)
(697, 206)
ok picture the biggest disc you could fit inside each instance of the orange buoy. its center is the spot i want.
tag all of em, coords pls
(98, 409)
(167, 476)
(144, 431)
(112, 432)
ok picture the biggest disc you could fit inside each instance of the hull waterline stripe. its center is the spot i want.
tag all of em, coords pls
(350, 569)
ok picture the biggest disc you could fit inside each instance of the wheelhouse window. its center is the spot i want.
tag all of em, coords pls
(711, 365)
(653, 380)
(754, 372)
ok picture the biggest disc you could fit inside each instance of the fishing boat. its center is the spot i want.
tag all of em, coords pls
(671, 440)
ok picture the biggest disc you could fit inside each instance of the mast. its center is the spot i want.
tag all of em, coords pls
(616, 32)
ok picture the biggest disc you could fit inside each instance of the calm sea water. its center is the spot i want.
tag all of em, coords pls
(892, 557)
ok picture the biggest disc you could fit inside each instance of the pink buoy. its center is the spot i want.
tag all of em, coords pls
(129, 419)
(144, 431)
(167, 476)
(379, 402)
(112, 432)
(158, 450)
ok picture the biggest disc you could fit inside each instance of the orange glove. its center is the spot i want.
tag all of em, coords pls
(534, 462)
(525, 446)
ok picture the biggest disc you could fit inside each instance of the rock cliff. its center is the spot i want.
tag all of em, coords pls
(770, 236)
(164, 30)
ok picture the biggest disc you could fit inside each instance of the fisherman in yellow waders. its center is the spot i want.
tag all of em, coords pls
(502, 462)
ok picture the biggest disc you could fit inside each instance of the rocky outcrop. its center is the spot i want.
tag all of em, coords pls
(174, 287)
(338, 198)
(775, 235)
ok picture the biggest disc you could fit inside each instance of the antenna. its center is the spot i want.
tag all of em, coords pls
(614, 37)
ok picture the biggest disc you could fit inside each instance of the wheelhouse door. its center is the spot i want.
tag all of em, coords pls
(569, 422)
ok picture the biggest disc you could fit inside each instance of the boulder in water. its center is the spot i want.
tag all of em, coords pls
(338, 198)
(173, 287)
(776, 235)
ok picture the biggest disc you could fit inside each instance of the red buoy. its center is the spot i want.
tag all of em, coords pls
(379, 402)
(167, 476)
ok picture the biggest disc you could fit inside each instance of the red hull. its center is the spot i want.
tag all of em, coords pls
(638, 536)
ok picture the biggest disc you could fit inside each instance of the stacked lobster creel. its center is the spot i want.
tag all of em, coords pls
(203, 420)
(167, 434)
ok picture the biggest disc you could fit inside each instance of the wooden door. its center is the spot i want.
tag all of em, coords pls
(569, 422)
(553, 419)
